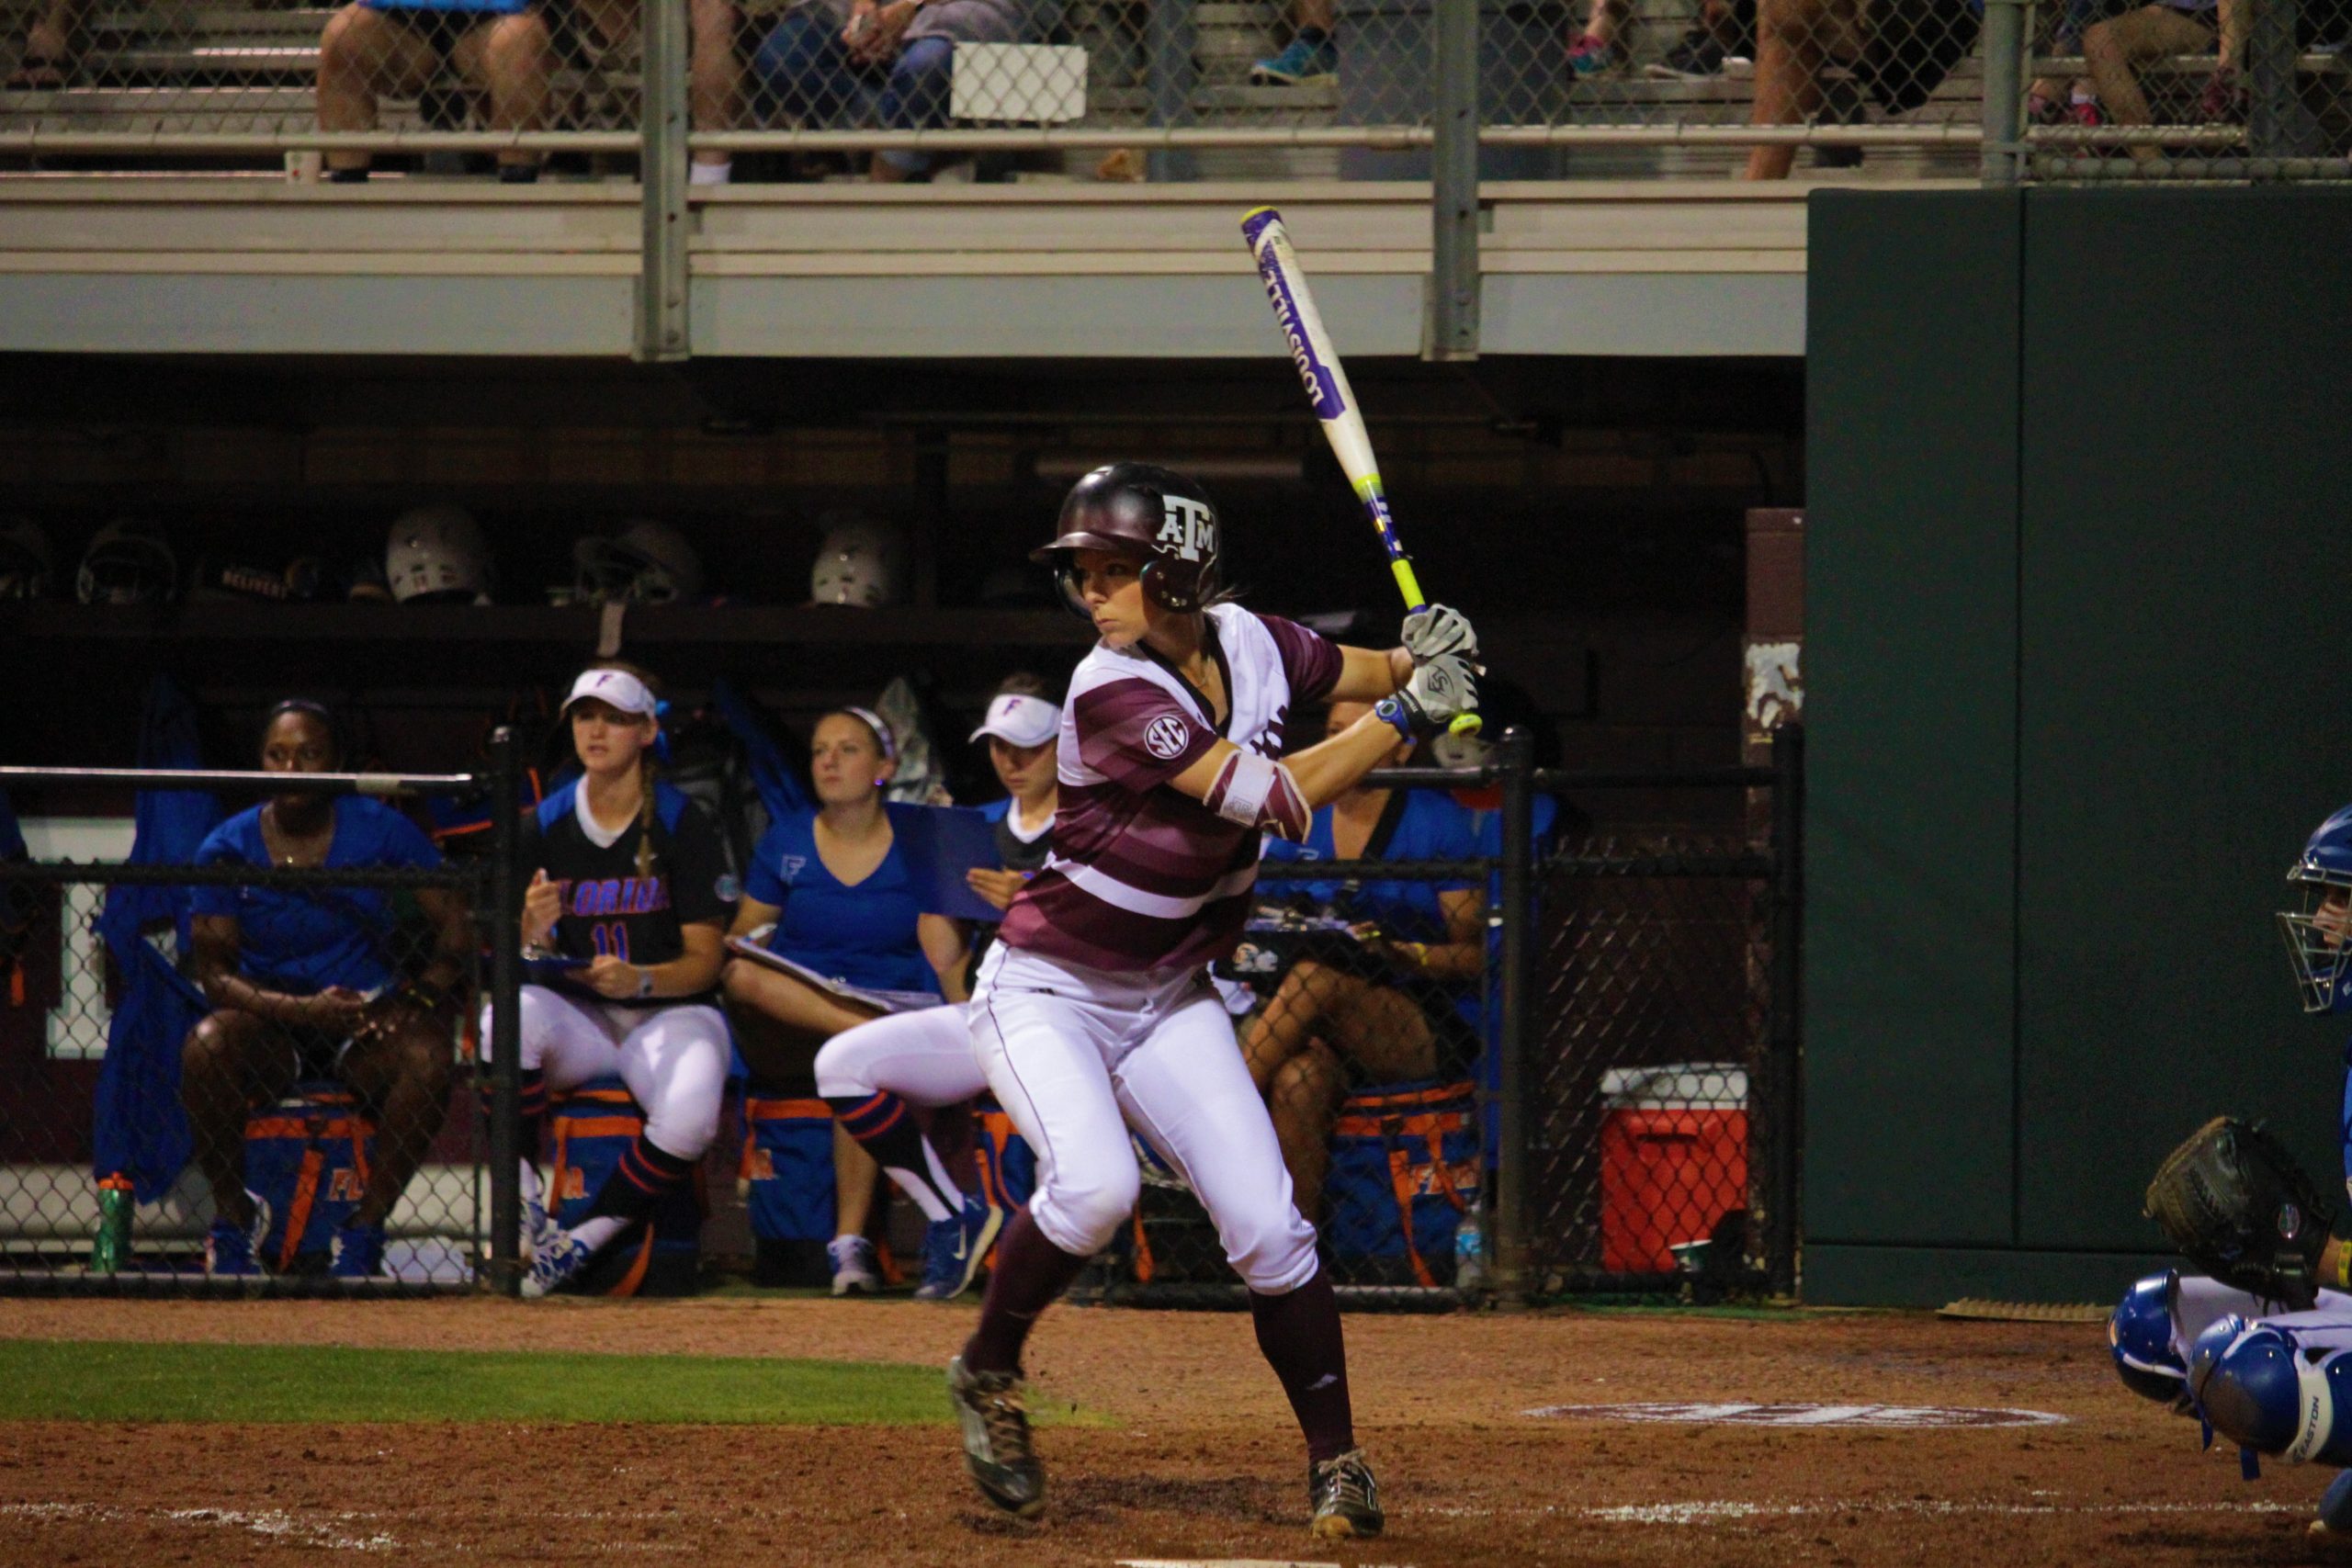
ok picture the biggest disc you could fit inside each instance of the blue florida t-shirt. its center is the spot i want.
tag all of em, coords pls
(1418, 824)
(301, 941)
(864, 934)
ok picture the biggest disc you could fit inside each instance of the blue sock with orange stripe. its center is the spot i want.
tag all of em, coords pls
(885, 1124)
(532, 1099)
(642, 1178)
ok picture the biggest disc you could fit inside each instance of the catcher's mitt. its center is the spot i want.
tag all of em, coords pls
(2238, 1206)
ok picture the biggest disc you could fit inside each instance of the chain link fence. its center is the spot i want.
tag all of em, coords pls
(220, 1071)
(2225, 89)
(1662, 1123)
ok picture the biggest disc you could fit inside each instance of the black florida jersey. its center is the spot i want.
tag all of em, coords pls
(607, 907)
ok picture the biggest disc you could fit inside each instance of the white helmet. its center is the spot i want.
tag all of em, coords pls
(127, 563)
(437, 553)
(25, 560)
(857, 562)
(643, 563)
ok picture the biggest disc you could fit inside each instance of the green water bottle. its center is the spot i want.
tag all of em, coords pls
(111, 1248)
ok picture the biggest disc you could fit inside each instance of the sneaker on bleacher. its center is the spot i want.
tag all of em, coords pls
(1307, 61)
(1696, 57)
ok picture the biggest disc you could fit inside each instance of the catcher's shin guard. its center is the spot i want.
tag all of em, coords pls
(2140, 1336)
(2276, 1389)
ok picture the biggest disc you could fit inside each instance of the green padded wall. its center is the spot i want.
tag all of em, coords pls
(2078, 690)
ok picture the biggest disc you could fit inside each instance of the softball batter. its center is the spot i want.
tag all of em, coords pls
(1096, 1008)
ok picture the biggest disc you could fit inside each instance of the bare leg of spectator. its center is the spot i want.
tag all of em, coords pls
(1794, 39)
(1304, 1101)
(510, 60)
(48, 49)
(364, 53)
(1598, 52)
(717, 86)
(404, 1081)
(230, 1062)
(856, 1174)
(1287, 1023)
(2114, 48)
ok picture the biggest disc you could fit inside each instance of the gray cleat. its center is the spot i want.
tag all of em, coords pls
(1345, 1498)
(997, 1449)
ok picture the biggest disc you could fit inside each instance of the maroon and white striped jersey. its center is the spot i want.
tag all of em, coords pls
(1143, 876)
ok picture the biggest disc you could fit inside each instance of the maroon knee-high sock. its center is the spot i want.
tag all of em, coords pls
(1299, 1336)
(1029, 1275)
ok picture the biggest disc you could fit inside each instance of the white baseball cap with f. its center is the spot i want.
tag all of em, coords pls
(614, 688)
(1021, 719)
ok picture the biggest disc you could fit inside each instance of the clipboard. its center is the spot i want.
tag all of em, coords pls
(886, 1001)
(940, 844)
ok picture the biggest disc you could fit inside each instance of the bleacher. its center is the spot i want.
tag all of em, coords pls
(238, 67)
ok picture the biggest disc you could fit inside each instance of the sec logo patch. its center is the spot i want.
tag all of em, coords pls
(1164, 738)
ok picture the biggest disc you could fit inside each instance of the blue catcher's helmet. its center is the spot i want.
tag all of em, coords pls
(2140, 1335)
(2319, 932)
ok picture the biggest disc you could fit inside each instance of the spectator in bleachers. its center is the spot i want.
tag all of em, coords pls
(46, 58)
(839, 63)
(1310, 58)
(2115, 46)
(376, 49)
(1403, 1005)
(716, 82)
(1899, 50)
(1724, 26)
(309, 984)
(830, 890)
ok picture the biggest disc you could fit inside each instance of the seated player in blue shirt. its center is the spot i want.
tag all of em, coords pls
(305, 983)
(1398, 1007)
(828, 889)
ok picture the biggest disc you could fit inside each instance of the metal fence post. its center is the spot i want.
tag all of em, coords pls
(1171, 39)
(1784, 1040)
(2004, 45)
(1514, 1152)
(503, 920)
(661, 334)
(1450, 318)
(2275, 119)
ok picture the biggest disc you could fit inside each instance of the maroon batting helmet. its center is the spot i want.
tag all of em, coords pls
(1150, 514)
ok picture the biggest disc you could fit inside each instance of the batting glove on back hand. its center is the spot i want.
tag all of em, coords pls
(1435, 630)
(1440, 692)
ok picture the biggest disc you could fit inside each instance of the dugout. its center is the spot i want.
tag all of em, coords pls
(2076, 645)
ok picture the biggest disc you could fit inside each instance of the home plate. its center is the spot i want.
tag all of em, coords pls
(1911, 1417)
(1230, 1562)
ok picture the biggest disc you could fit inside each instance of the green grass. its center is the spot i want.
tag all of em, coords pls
(111, 1381)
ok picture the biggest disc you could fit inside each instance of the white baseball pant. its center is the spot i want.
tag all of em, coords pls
(1076, 1054)
(674, 1059)
(924, 1057)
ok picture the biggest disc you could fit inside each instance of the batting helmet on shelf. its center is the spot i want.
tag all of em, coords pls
(1148, 513)
(437, 553)
(642, 562)
(858, 561)
(127, 563)
(25, 560)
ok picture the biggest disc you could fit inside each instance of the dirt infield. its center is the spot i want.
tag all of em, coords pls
(1200, 1461)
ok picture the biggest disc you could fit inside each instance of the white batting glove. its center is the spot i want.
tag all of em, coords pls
(1434, 630)
(1440, 692)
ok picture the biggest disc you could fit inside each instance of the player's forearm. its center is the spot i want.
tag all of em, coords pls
(1328, 769)
(1368, 675)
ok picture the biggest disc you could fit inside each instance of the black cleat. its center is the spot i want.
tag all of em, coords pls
(997, 1450)
(1345, 1498)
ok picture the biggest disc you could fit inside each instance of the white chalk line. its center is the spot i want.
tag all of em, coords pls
(1728, 1512)
(327, 1532)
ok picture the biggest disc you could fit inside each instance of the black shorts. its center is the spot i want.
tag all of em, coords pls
(1914, 44)
(317, 1053)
